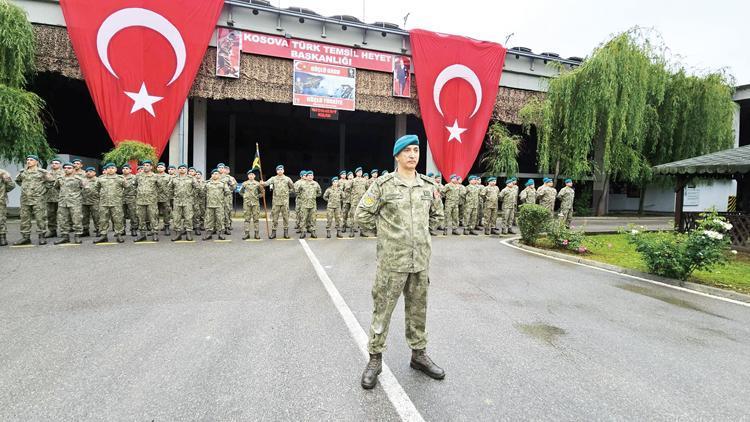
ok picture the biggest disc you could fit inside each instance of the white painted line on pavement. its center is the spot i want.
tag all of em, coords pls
(396, 394)
(657, 283)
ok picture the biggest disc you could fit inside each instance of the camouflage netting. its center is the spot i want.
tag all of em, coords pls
(269, 79)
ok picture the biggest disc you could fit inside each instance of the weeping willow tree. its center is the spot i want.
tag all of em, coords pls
(501, 155)
(21, 125)
(624, 110)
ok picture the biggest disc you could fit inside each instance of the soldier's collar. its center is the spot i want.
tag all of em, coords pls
(417, 182)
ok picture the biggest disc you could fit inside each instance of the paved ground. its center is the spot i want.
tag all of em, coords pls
(246, 331)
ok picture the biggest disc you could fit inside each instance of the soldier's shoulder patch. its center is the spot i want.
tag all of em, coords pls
(382, 179)
(429, 180)
(369, 199)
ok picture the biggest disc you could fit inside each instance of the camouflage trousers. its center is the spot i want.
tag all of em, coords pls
(69, 220)
(440, 223)
(215, 219)
(130, 212)
(198, 213)
(38, 212)
(470, 216)
(91, 216)
(280, 210)
(148, 214)
(182, 218)
(3, 218)
(566, 216)
(461, 214)
(507, 222)
(385, 293)
(111, 214)
(490, 217)
(345, 215)
(52, 216)
(480, 213)
(333, 215)
(297, 217)
(251, 213)
(451, 215)
(352, 219)
(228, 211)
(306, 218)
(165, 215)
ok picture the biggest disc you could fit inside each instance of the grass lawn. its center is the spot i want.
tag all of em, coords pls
(614, 249)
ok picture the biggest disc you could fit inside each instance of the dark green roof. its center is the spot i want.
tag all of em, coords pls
(728, 161)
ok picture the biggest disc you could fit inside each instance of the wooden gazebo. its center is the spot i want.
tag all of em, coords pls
(731, 163)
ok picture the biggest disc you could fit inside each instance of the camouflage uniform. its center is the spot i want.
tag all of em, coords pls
(307, 192)
(528, 195)
(490, 196)
(183, 191)
(462, 205)
(90, 204)
(297, 218)
(452, 193)
(216, 191)
(402, 212)
(566, 196)
(146, 199)
(509, 199)
(52, 199)
(33, 185)
(6, 185)
(480, 203)
(346, 188)
(357, 191)
(69, 206)
(546, 196)
(111, 190)
(128, 203)
(334, 198)
(251, 191)
(164, 196)
(439, 204)
(199, 204)
(228, 199)
(471, 206)
(281, 186)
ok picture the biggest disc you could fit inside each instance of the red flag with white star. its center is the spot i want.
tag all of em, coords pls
(457, 80)
(139, 59)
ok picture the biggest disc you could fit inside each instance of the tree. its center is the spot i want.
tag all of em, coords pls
(624, 110)
(21, 126)
(127, 151)
(501, 155)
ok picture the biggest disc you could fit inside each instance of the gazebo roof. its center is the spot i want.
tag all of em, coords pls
(728, 161)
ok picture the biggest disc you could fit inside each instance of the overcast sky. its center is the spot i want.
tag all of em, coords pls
(707, 35)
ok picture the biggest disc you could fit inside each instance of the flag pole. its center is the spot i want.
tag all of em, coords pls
(265, 207)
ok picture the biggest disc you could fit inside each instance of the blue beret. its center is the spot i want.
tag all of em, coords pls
(216, 170)
(350, 174)
(358, 169)
(403, 142)
(160, 164)
(508, 181)
(302, 173)
(568, 180)
(492, 179)
(191, 168)
(366, 174)
(529, 182)
(310, 172)
(172, 166)
(430, 174)
(513, 178)
(438, 175)
(342, 172)
(454, 176)
(182, 165)
(108, 165)
(384, 172)
(126, 166)
(279, 167)
(146, 162)
(547, 180)
(89, 168)
(334, 179)
(251, 171)
(56, 159)
(76, 160)
(220, 165)
(67, 165)
(373, 171)
(32, 156)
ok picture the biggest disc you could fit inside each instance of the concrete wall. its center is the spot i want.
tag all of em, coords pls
(699, 197)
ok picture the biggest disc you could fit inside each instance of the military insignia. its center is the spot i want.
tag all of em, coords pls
(368, 200)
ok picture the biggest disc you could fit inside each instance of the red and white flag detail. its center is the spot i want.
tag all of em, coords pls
(139, 59)
(457, 81)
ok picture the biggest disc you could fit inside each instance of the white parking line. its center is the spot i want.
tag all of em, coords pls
(658, 283)
(396, 394)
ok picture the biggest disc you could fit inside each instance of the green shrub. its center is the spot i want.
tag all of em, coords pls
(677, 255)
(127, 151)
(532, 220)
(565, 238)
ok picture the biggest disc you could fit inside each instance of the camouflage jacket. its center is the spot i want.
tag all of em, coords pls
(334, 196)
(281, 186)
(528, 195)
(129, 194)
(251, 192)
(403, 214)
(307, 192)
(472, 196)
(71, 191)
(566, 196)
(183, 190)
(52, 190)
(490, 196)
(295, 190)
(164, 192)
(357, 190)
(462, 194)
(452, 193)
(346, 188)
(111, 190)
(147, 189)
(199, 193)
(6, 185)
(90, 191)
(230, 181)
(33, 185)
(546, 196)
(215, 192)
(509, 197)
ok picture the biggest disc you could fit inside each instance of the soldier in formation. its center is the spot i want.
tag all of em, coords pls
(566, 197)
(281, 186)
(307, 192)
(251, 191)
(334, 197)
(6, 185)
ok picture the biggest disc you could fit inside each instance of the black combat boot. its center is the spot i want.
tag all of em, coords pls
(176, 237)
(246, 236)
(433, 232)
(102, 239)
(455, 232)
(363, 233)
(372, 370)
(50, 234)
(273, 234)
(313, 235)
(133, 232)
(189, 236)
(351, 232)
(76, 239)
(338, 234)
(3, 240)
(63, 240)
(167, 232)
(257, 234)
(220, 235)
(197, 230)
(141, 238)
(445, 231)
(155, 236)
(473, 232)
(328, 233)
(286, 233)
(42, 240)
(209, 234)
(486, 231)
(495, 230)
(421, 362)
(302, 234)
(85, 232)
(118, 238)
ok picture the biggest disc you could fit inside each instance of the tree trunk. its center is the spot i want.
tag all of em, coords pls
(603, 200)
(600, 195)
(642, 199)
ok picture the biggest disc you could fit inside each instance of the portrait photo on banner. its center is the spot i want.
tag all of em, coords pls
(228, 52)
(401, 76)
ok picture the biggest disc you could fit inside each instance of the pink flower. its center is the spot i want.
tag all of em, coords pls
(565, 242)
(581, 249)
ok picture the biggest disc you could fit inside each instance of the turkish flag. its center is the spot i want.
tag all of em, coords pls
(457, 81)
(139, 59)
